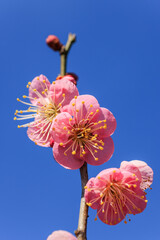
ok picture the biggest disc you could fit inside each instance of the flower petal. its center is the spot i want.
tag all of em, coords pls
(70, 161)
(61, 87)
(128, 166)
(111, 123)
(60, 127)
(146, 173)
(84, 107)
(61, 235)
(39, 83)
(102, 155)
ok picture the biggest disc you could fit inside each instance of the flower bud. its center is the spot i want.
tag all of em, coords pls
(54, 43)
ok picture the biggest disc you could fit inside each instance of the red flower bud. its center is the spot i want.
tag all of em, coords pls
(54, 43)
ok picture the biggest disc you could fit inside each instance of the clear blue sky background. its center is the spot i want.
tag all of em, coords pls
(117, 59)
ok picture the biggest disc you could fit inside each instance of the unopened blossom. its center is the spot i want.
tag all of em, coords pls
(70, 77)
(46, 102)
(54, 42)
(115, 193)
(82, 133)
(61, 235)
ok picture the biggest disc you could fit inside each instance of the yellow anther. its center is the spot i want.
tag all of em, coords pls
(73, 104)
(95, 219)
(101, 148)
(53, 82)
(104, 120)
(146, 200)
(105, 126)
(53, 129)
(70, 119)
(37, 78)
(89, 189)
(99, 177)
(44, 143)
(46, 90)
(137, 179)
(69, 132)
(35, 143)
(27, 86)
(139, 210)
(133, 174)
(29, 83)
(102, 203)
(96, 159)
(73, 152)
(97, 110)
(18, 99)
(125, 221)
(100, 122)
(83, 102)
(85, 187)
(114, 171)
(91, 105)
(65, 128)
(134, 185)
(75, 97)
(15, 118)
(91, 113)
(44, 81)
(24, 96)
(103, 210)
(129, 185)
(77, 110)
(65, 154)
(89, 204)
(63, 95)
(95, 144)
(35, 90)
(95, 151)
(101, 194)
(142, 197)
(21, 111)
(60, 104)
(83, 152)
(61, 144)
(43, 92)
(95, 123)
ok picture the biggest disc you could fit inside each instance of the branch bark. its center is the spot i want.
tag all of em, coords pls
(83, 212)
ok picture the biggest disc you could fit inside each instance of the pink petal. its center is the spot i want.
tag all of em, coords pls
(84, 109)
(61, 87)
(102, 155)
(128, 166)
(92, 192)
(109, 174)
(70, 161)
(109, 217)
(36, 135)
(146, 173)
(38, 84)
(60, 127)
(61, 235)
(110, 121)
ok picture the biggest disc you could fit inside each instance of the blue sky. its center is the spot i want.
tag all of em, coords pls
(116, 57)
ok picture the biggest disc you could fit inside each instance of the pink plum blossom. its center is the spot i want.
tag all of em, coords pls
(70, 77)
(82, 133)
(61, 235)
(46, 102)
(115, 193)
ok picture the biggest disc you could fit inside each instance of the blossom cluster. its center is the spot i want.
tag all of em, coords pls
(79, 131)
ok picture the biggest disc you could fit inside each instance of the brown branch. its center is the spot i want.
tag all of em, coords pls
(64, 52)
(83, 212)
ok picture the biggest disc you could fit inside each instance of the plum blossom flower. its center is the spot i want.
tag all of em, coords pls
(46, 102)
(70, 77)
(115, 193)
(61, 235)
(82, 133)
